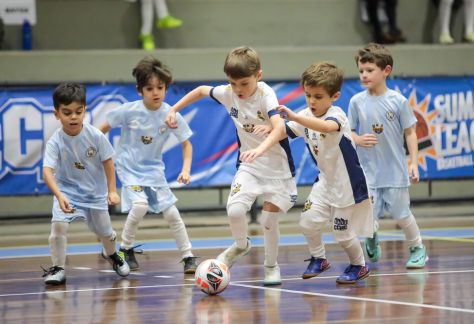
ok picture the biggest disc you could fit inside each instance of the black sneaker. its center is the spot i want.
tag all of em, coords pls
(119, 264)
(129, 255)
(190, 265)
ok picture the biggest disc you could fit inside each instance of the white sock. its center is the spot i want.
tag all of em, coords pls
(469, 16)
(354, 251)
(135, 216)
(147, 17)
(237, 214)
(176, 224)
(445, 15)
(161, 8)
(411, 230)
(109, 244)
(271, 234)
(58, 242)
(315, 243)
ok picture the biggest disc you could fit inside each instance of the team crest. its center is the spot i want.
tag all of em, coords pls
(260, 116)
(137, 188)
(390, 115)
(377, 128)
(248, 127)
(91, 152)
(79, 165)
(162, 130)
(234, 112)
(147, 139)
(307, 205)
(314, 137)
(235, 189)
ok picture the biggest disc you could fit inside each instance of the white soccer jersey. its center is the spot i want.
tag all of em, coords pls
(144, 132)
(276, 162)
(341, 181)
(386, 116)
(77, 163)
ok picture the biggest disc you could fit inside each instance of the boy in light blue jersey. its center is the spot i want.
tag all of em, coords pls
(79, 171)
(139, 159)
(381, 120)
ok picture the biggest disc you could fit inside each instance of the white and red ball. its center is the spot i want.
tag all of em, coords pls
(212, 276)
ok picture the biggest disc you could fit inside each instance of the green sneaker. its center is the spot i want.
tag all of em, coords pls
(372, 248)
(418, 257)
(148, 42)
(169, 22)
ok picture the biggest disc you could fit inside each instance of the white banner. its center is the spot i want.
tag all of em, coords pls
(15, 12)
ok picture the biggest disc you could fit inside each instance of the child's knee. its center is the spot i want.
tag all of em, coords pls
(236, 210)
(308, 225)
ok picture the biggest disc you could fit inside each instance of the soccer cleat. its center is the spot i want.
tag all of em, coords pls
(169, 22)
(418, 257)
(469, 37)
(148, 43)
(129, 255)
(446, 39)
(119, 264)
(54, 275)
(372, 248)
(272, 276)
(190, 265)
(316, 266)
(353, 273)
(232, 253)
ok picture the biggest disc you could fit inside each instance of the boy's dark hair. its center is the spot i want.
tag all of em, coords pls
(375, 53)
(148, 68)
(323, 74)
(68, 92)
(242, 62)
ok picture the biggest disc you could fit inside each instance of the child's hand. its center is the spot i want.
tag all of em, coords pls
(113, 198)
(286, 113)
(413, 172)
(367, 140)
(171, 119)
(184, 177)
(65, 205)
(250, 155)
(262, 130)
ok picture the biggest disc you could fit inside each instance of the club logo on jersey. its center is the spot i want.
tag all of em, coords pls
(390, 115)
(306, 133)
(340, 224)
(377, 128)
(248, 127)
(91, 152)
(307, 205)
(235, 189)
(260, 116)
(293, 198)
(315, 150)
(234, 112)
(79, 165)
(162, 130)
(147, 139)
(136, 188)
(322, 135)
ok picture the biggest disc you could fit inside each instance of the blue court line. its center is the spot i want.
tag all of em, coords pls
(162, 245)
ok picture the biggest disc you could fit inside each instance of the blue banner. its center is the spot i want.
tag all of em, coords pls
(443, 106)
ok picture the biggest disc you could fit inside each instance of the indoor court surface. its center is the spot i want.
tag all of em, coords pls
(160, 293)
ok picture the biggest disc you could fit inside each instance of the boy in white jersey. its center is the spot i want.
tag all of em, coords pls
(252, 104)
(381, 119)
(79, 171)
(139, 159)
(340, 193)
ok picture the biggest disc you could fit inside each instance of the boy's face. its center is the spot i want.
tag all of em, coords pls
(71, 117)
(372, 76)
(319, 100)
(153, 93)
(244, 88)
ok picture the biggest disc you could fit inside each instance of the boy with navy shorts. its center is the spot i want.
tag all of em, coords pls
(265, 165)
(79, 171)
(139, 159)
(381, 119)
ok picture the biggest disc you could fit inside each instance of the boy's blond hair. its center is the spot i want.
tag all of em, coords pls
(323, 74)
(375, 53)
(242, 62)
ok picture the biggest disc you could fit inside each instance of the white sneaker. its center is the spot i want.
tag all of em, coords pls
(272, 276)
(54, 276)
(446, 39)
(119, 264)
(232, 253)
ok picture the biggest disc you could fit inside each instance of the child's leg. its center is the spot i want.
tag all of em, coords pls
(176, 224)
(411, 230)
(147, 17)
(57, 243)
(271, 232)
(444, 21)
(237, 214)
(161, 9)
(354, 251)
(469, 20)
(134, 217)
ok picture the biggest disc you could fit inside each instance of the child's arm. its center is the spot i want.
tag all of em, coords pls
(52, 185)
(105, 128)
(412, 145)
(113, 198)
(185, 175)
(319, 125)
(189, 98)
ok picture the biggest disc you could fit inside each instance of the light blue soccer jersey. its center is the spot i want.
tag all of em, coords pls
(144, 133)
(386, 116)
(77, 163)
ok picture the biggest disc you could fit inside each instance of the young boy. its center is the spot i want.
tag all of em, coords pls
(139, 160)
(251, 104)
(79, 171)
(381, 118)
(340, 193)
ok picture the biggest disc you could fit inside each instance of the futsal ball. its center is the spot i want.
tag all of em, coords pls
(212, 276)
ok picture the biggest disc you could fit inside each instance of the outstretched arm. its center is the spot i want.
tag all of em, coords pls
(185, 175)
(113, 198)
(319, 125)
(189, 98)
(412, 145)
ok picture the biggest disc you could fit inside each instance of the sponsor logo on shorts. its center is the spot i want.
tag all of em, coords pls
(137, 188)
(340, 224)
(307, 205)
(235, 189)
(293, 198)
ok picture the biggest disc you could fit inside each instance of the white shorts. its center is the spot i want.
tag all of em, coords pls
(347, 223)
(246, 187)
(395, 201)
(158, 198)
(98, 220)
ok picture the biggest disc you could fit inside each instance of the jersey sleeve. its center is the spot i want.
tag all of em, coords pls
(182, 132)
(51, 154)
(270, 101)
(222, 94)
(106, 151)
(353, 116)
(293, 129)
(116, 116)
(407, 116)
